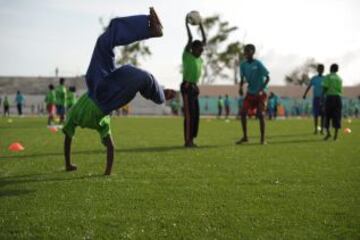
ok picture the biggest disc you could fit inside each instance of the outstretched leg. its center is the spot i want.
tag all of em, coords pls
(121, 86)
(120, 32)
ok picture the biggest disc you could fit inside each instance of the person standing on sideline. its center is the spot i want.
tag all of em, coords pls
(240, 102)
(192, 67)
(6, 106)
(220, 104)
(273, 103)
(257, 77)
(227, 106)
(71, 97)
(20, 101)
(332, 85)
(50, 100)
(318, 101)
(61, 97)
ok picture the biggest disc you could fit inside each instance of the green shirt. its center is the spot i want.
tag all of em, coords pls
(192, 67)
(50, 98)
(71, 99)
(6, 102)
(61, 95)
(332, 85)
(86, 114)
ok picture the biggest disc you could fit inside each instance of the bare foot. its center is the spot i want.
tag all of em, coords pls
(327, 137)
(169, 94)
(190, 145)
(155, 24)
(71, 168)
(243, 140)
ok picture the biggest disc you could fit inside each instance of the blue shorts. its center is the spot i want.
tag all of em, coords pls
(60, 110)
(318, 106)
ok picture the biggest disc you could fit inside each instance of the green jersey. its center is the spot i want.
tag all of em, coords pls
(192, 67)
(6, 102)
(86, 114)
(61, 93)
(332, 85)
(50, 98)
(71, 99)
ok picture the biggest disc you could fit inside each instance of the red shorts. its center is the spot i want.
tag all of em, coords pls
(51, 109)
(254, 103)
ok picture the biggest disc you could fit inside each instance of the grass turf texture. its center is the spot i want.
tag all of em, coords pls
(296, 187)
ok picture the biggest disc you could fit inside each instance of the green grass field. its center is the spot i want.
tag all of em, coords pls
(296, 187)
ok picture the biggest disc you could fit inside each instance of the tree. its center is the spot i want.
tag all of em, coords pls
(301, 75)
(219, 60)
(130, 54)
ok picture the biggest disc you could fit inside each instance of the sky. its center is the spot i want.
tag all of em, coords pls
(39, 35)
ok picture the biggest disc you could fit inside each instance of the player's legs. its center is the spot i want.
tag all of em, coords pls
(316, 122)
(328, 117)
(322, 122)
(316, 113)
(269, 113)
(261, 101)
(122, 85)
(50, 113)
(192, 116)
(120, 32)
(337, 115)
(7, 111)
(227, 110)
(187, 117)
(195, 116)
(243, 116)
(18, 106)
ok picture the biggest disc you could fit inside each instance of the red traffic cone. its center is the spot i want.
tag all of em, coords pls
(16, 147)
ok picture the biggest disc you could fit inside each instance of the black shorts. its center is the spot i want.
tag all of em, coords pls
(333, 108)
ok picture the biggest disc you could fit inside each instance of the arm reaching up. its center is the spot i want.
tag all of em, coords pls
(190, 37)
(203, 34)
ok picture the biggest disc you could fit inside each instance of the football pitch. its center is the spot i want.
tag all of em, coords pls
(295, 187)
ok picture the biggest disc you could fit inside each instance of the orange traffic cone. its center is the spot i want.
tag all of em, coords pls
(16, 147)
(347, 130)
(53, 129)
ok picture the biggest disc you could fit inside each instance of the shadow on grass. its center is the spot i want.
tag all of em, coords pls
(276, 142)
(119, 151)
(44, 178)
(290, 135)
(14, 193)
(296, 141)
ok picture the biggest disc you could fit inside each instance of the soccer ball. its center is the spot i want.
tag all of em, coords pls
(193, 18)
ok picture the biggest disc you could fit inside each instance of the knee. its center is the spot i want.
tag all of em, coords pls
(260, 114)
(243, 114)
